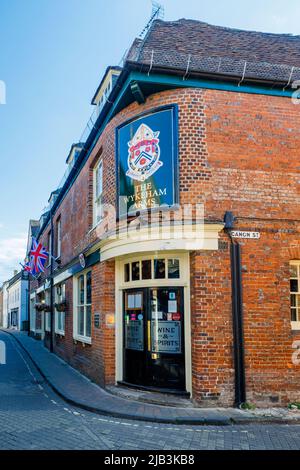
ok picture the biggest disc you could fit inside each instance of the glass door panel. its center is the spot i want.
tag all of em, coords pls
(166, 358)
(134, 335)
(154, 337)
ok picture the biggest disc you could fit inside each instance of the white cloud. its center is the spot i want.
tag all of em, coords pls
(12, 251)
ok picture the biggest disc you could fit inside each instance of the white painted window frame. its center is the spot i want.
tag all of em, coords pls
(76, 335)
(60, 298)
(32, 325)
(97, 195)
(47, 314)
(58, 234)
(295, 325)
(153, 279)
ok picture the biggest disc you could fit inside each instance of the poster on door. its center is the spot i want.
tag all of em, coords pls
(134, 336)
(166, 337)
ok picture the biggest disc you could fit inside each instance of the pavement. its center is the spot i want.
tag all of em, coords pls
(34, 417)
(79, 391)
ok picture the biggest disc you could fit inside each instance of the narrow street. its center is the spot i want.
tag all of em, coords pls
(32, 416)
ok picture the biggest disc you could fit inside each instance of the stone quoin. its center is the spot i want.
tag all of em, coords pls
(178, 304)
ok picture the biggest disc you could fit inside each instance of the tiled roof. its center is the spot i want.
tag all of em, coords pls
(194, 46)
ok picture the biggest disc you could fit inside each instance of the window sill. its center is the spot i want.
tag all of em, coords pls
(295, 325)
(95, 225)
(82, 339)
(59, 333)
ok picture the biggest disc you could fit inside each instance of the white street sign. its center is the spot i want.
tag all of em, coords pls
(247, 235)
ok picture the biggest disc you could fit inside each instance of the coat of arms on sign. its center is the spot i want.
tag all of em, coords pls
(143, 154)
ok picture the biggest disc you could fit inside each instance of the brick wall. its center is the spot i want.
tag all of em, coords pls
(237, 152)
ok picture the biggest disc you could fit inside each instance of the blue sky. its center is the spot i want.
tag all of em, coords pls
(52, 56)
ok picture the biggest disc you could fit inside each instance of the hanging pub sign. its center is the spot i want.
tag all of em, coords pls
(147, 161)
(82, 260)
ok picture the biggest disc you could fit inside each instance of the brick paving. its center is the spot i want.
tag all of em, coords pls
(32, 416)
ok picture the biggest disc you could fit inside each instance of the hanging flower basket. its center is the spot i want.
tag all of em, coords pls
(40, 307)
(61, 306)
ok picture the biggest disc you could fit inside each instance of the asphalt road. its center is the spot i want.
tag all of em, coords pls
(32, 416)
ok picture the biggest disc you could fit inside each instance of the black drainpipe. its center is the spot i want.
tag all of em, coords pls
(237, 312)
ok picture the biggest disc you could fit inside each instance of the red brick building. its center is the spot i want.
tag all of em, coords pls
(200, 119)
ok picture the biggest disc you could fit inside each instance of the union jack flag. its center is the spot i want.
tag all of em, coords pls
(27, 267)
(37, 258)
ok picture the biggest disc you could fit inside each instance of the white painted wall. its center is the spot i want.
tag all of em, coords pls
(17, 299)
(5, 305)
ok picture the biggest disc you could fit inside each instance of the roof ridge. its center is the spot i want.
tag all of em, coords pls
(227, 28)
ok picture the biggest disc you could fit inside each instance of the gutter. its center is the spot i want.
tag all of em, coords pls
(216, 76)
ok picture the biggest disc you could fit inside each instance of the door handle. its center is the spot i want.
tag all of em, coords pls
(149, 334)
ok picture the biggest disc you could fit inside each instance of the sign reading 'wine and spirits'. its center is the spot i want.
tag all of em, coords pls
(147, 162)
(134, 336)
(166, 337)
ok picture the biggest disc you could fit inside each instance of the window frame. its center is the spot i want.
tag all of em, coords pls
(49, 247)
(76, 305)
(295, 324)
(58, 237)
(59, 297)
(32, 325)
(153, 280)
(47, 314)
(97, 198)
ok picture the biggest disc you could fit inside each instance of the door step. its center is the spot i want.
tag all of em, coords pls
(178, 399)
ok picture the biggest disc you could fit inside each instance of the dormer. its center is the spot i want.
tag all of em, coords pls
(53, 197)
(104, 89)
(73, 154)
(34, 226)
(43, 218)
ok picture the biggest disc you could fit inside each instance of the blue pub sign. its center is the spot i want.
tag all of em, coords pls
(147, 161)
